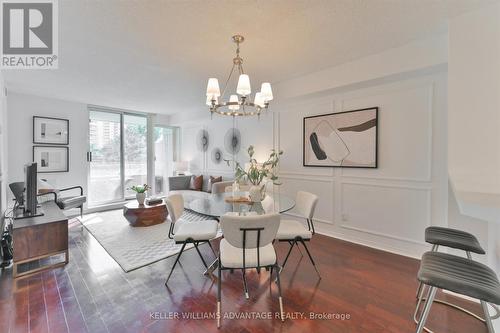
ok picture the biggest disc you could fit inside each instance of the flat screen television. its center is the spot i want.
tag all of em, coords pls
(26, 193)
(30, 181)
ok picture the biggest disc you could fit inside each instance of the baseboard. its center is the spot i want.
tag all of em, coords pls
(409, 249)
(363, 242)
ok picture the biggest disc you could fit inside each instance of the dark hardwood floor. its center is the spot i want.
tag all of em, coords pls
(92, 294)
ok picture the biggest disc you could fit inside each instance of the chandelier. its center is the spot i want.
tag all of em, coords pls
(239, 104)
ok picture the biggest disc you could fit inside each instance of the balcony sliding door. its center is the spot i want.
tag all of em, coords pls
(135, 152)
(117, 155)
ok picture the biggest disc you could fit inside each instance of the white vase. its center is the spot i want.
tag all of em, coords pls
(140, 198)
(255, 193)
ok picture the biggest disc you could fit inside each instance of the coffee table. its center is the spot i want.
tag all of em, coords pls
(144, 215)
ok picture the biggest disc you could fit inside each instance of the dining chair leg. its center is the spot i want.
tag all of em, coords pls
(282, 314)
(288, 254)
(219, 282)
(310, 257)
(427, 309)
(212, 248)
(298, 247)
(312, 225)
(245, 284)
(175, 263)
(271, 276)
(199, 253)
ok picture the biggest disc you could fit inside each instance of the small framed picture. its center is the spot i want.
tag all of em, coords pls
(50, 130)
(51, 158)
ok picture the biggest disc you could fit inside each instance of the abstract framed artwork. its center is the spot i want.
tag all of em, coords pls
(50, 130)
(346, 139)
(51, 158)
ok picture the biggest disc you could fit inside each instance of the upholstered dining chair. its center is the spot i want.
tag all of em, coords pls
(247, 244)
(188, 232)
(294, 232)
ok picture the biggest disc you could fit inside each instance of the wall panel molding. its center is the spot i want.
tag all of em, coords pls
(372, 232)
(429, 88)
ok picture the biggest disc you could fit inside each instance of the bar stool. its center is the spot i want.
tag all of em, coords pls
(456, 239)
(460, 275)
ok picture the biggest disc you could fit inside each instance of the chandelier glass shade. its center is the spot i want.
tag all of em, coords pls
(239, 104)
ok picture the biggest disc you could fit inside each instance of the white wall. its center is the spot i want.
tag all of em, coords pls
(258, 133)
(3, 147)
(474, 127)
(474, 100)
(386, 208)
(21, 109)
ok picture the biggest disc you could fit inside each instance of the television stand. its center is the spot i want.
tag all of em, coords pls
(40, 237)
(21, 214)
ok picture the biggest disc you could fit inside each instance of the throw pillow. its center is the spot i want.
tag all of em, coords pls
(196, 183)
(213, 180)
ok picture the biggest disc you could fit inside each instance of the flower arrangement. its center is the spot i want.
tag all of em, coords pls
(140, 188)
(257, 172)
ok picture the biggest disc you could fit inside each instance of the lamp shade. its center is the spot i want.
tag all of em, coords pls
(213, 88)
(258, 100)
(233, 98)
(181, 165)
(266, 91)
(243, 87)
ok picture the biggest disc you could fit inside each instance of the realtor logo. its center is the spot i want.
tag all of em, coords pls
(29, 34)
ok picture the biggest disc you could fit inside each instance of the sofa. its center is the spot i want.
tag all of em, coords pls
(181, 184)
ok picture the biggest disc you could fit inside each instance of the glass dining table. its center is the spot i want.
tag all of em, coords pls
(217, 205)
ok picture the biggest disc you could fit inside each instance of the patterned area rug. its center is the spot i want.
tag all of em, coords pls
(130, 247)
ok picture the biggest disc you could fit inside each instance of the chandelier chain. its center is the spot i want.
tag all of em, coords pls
(227, 81)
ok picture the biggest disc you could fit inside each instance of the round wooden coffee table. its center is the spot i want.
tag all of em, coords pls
(144, 215)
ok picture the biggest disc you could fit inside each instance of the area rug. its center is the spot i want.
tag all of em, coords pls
(130, 247)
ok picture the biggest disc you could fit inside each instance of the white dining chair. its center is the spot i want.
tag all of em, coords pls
(247, 244)
(188, 232)
(294, 232)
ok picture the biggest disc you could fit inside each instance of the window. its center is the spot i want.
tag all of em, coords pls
(117, 155)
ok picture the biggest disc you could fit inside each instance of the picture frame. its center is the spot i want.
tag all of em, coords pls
(47, 130)
(51, 158)
(347, 139)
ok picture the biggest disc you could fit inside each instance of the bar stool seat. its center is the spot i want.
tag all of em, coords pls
(460, 275)
(453, 238)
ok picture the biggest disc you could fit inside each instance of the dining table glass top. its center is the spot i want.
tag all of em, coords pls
(219, 204)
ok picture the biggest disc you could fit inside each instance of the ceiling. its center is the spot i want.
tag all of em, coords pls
(156, 56)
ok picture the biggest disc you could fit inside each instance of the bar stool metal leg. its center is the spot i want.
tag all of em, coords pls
(420, 298)
(427, 309)
(487, 317)
(434, 248)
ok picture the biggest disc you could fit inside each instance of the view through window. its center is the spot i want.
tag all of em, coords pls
(117, 155)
